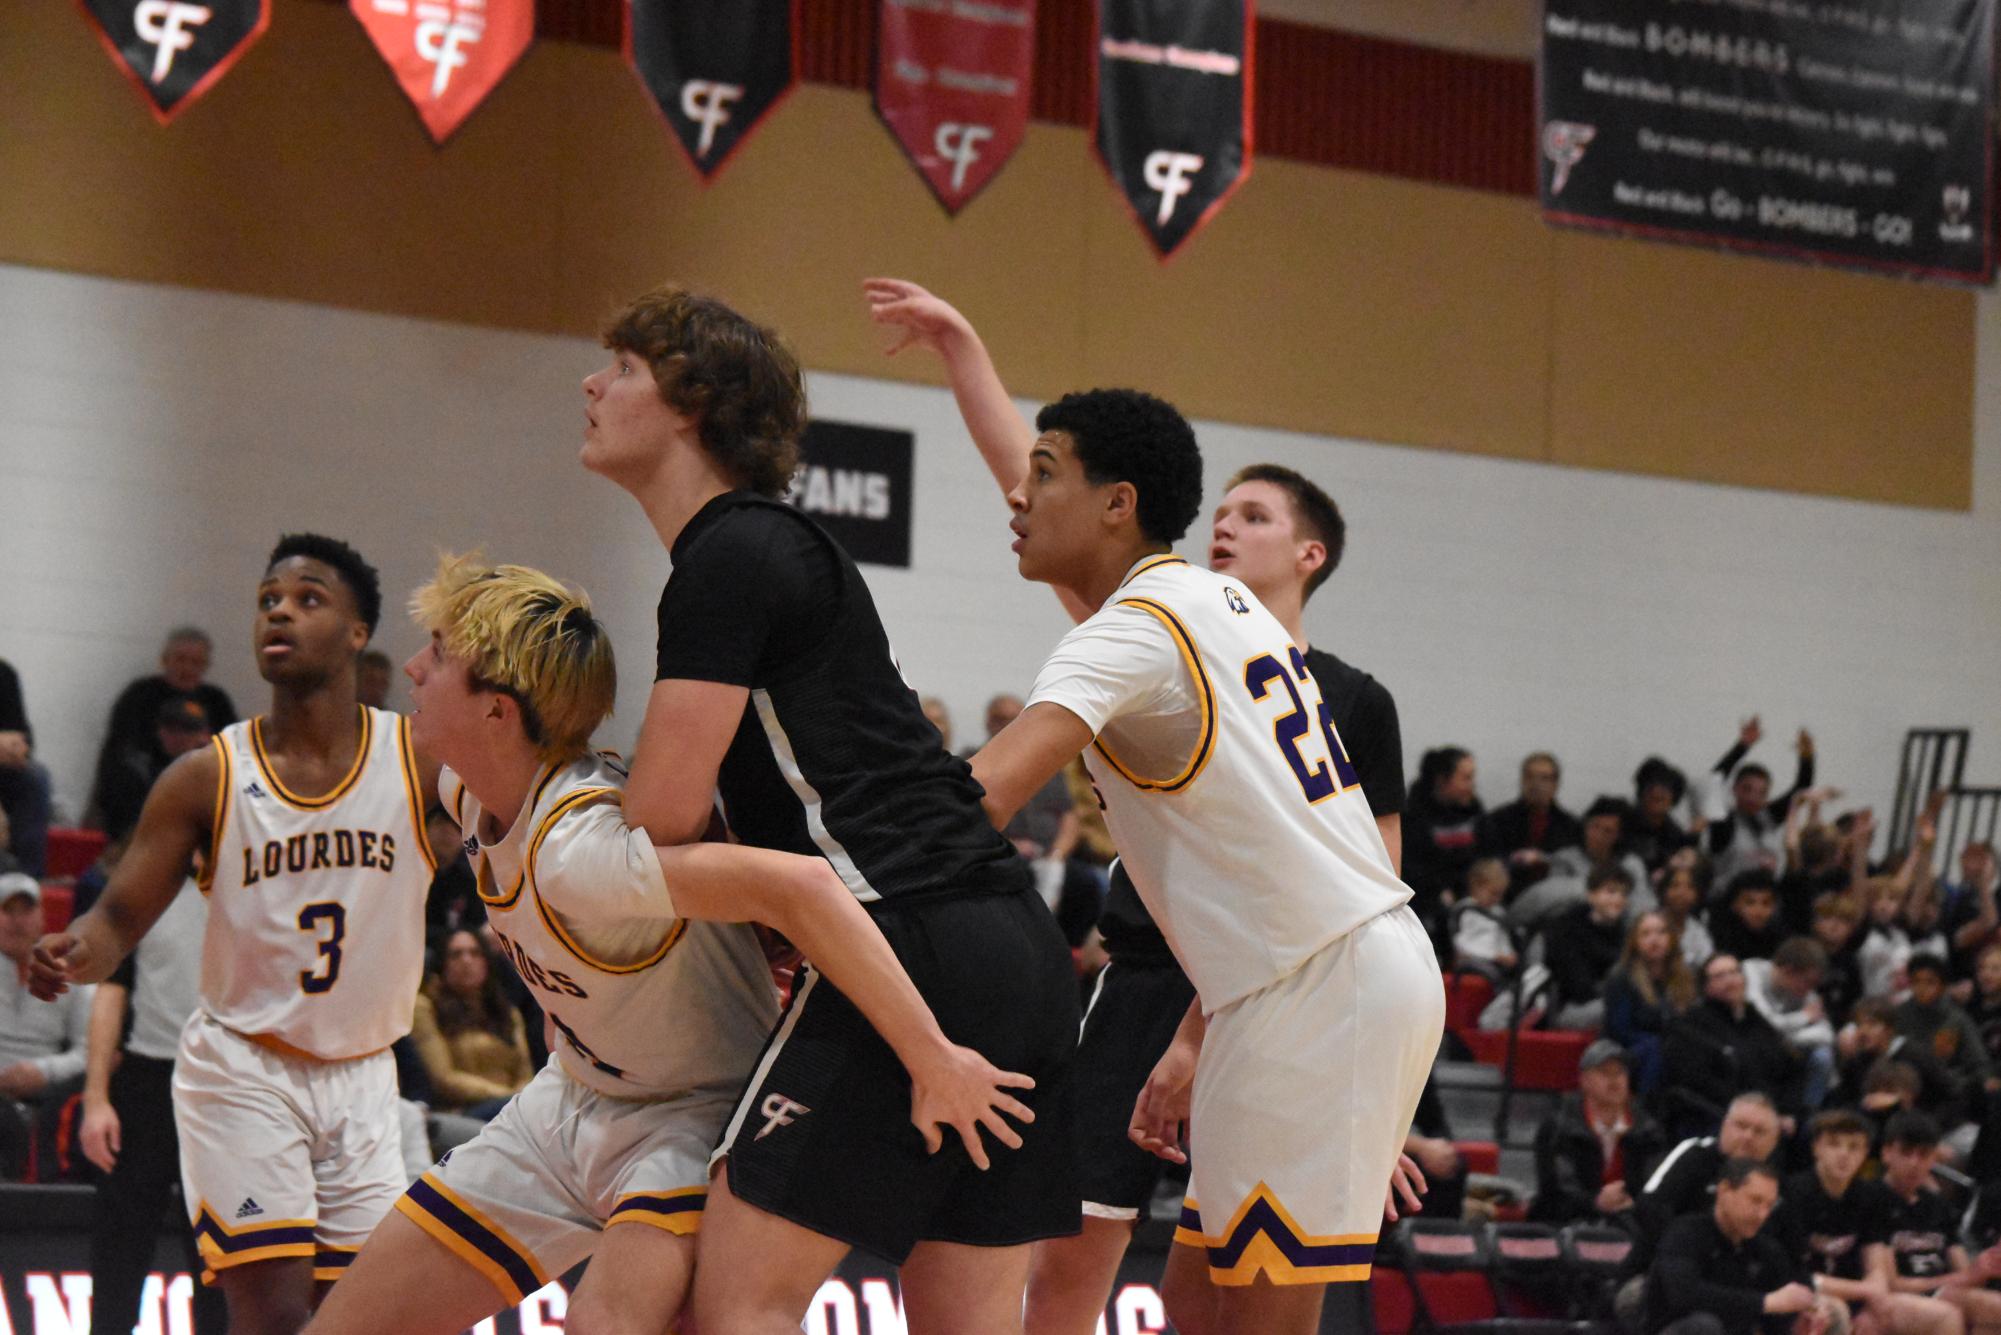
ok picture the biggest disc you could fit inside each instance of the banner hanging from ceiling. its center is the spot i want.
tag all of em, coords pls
(715, 68)
(174, 50)
(952, 83)
(1174, 109)
(447, 55)
(1845, 133)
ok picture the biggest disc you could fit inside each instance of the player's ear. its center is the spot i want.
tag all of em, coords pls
(1121, 503)
(358, 634)
(1312, 555)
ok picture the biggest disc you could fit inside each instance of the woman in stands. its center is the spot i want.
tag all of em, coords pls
(472, 1039)
(1650, 985)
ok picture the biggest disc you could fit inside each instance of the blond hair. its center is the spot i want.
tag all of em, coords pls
(530, 638)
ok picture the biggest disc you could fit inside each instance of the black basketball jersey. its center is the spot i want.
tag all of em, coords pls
(1365, 718)
(1828, 1234)
(833, 756)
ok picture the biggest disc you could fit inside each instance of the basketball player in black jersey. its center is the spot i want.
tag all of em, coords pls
(1282, 536)
(775, 688)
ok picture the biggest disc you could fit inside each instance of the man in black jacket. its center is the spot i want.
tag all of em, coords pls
(1599, 1148)
(1722, 1047)
(1527, 830)
(1583, 944)
(1719, 1273)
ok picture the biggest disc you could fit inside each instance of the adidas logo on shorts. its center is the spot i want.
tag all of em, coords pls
(248, 1209)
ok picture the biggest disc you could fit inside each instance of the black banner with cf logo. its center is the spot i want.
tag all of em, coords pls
(715, 68)
(1174, 109)
(174, 50)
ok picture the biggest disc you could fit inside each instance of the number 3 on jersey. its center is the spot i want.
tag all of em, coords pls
(1314, 781)
(310, 918)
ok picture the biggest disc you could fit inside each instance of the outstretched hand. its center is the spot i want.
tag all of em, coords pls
(1160, 1116)
(920, 317)
(53, 964)
(1749, 731)
(1407, 1181)
(963, 1091)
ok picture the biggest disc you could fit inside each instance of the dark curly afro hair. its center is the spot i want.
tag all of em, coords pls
(1124, 435)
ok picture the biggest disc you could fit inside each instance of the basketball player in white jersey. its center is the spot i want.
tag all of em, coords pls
(1282, 537)
(658, 993)
(1240, 819)
(308, 823)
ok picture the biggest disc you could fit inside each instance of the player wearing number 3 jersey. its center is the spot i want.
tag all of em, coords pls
(308, 824)
(1243, 826)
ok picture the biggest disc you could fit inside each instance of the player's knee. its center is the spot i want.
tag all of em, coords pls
(590, 1315)
(1190, 1301)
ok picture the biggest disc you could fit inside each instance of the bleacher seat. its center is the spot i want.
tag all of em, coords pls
(1450, 1269)
(1480, 1156)
(58, 905)
(1389, 1295)
(71, 852)
(1466, 995)
(1545, 1059)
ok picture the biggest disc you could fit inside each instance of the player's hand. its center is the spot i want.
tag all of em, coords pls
(964, 1091)
(920, 317)
(54, 963)
(1160, 1116)
(100, 1134)
(1406, 1180)
(1788, 1300)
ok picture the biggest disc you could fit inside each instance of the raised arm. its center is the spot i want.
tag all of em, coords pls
(951, 1086)
(1002, 435)
(173, 826)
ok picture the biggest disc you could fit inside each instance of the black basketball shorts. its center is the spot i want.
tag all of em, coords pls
(822, 1135)
(1134, 1012)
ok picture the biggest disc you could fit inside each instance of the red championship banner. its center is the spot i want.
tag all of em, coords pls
(951, 83)
(174, 50)
(447, 55)
(715, 68)
(1174, 109)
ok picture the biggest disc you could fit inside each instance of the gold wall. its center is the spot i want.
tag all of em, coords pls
(1318, 300)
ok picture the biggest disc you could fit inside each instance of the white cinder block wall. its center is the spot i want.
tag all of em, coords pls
(154, 441)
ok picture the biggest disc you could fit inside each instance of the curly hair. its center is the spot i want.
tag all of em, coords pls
(345, 561)
(734, 377)
(1123, 435)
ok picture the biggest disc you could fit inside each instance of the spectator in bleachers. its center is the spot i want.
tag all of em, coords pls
(1924, 1228)
(1903, 922)
(1049, 832)
(184, 662)
(1430, 1143)
(1440, 836)
(1722, 1047)
(1984, 1008)
(1872, 1038)
(371, 678)
(180, 726)
(1570, 868)
(1815, 864)
(24, 784)
(1683, 890)
(1652, 834)
(1837, 1225)
(1746, 924)
(1837, 925)
(1720, 1272)
(471, 1038)
(1650, 985)
(453, 900)
(1524, 832)
(1481, 940)
(1750, 833)
(940, 718)
(42, 1044)
(1684, 1181)
(1598, 1147)
(1967, 911)
(1784, 989)
(1933, 1020)
(1582, 946)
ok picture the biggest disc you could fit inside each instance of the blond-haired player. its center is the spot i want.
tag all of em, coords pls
(309, 822)
(656, 989)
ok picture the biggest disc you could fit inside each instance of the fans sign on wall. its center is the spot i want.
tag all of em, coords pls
(953, 79)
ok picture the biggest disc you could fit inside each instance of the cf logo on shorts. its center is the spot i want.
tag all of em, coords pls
(708, 105)
(779, 1111)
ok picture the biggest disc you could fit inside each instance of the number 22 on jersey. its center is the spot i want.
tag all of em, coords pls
(1325, 772)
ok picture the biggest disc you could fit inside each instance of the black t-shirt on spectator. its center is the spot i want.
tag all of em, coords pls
(1581, 952)
(1828, 1233)
(833, 756)
(1922, 1234)
(1365, 718)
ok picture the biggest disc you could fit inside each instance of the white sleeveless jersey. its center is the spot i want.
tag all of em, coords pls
(316, 904)
(1225, 787)
(646, 1005)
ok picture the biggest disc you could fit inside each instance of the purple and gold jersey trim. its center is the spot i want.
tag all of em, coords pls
(1205, 690)
(679, 1212)
(477, 1241)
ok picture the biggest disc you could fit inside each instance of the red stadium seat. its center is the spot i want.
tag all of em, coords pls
(1545, 1059)
(58, 904)
(1389, 1294)
(71, 852)
(1466, 995)
(1481, 1156)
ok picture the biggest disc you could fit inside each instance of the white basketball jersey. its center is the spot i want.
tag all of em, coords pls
(316, 904)
(1225, 787)
(645, 1005)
